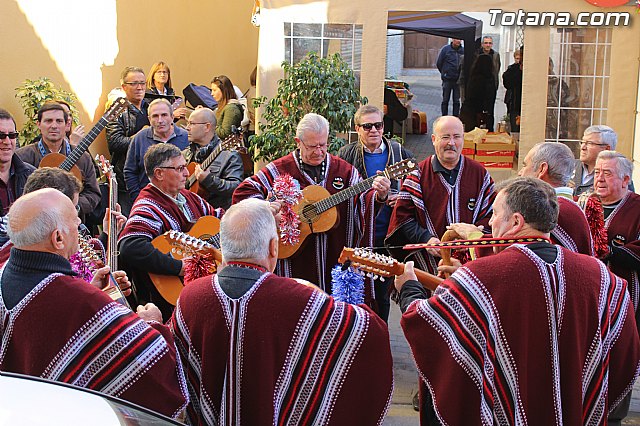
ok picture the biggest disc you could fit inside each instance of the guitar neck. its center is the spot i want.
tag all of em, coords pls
(82, 147)
(112, 232)
(345, 194)
(428, 281)
(204, 165)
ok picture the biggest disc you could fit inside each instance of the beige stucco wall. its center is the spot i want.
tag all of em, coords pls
(84, 45)
(372, 14)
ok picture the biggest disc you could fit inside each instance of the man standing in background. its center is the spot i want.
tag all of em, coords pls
(449, 64)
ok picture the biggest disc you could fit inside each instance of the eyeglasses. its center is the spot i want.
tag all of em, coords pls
(10, 135)
(448, 138)
(191, 123)
(368, 126)
(135, 83)
(178, 169)
(588, 143)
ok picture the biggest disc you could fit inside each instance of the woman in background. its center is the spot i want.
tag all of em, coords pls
(477, 105)
(159, 83)
(229, 112)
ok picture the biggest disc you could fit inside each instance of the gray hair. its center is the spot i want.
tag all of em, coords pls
(312, 123)
(127, 70)
(246, 230)
(163, 102)
(624, 166)
(159, 154)
(364, 110)
(45, 222)
(559, 159)
(607, 134)
(534, 199)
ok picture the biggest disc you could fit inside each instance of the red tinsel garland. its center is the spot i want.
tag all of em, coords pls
(287, 190)
(198, 266)
(595, 217)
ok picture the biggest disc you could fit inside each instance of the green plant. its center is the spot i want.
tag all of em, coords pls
(326, 86)
(32, 94)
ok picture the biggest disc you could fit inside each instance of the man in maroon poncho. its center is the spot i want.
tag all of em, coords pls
(447, 188)
(310, 164)
(553, 163)
(56, 326)
(262, 349)
(621, 217)
(162, 205)
(536, 334)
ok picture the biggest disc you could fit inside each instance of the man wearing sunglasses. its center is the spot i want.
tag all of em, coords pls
(370, 154)
(13, 171)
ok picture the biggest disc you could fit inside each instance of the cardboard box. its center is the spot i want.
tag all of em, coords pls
(491, 137)
(469, 152)
(498, 165)
(496, 152)
(494, 158)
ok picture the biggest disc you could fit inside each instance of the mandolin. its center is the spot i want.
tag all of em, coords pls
(317, 211)
(67, 163)
(235, 142)
(111, 231)
(202, 238)
(384, 266)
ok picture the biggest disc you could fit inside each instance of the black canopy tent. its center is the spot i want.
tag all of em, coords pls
(444, 24)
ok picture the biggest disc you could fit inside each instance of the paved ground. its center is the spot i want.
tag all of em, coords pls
(427, 98)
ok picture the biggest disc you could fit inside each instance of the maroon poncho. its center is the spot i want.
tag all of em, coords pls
(511, 339)
(69, 331)
(283, 353)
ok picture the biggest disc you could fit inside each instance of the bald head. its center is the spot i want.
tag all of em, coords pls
(35, 217)
(201, 127)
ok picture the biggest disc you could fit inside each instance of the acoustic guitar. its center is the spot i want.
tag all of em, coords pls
(380, 265)
(234, 142)
(67, 163)
(316, 209)
(204, 237)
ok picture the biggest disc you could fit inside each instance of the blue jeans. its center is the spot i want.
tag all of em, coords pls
(449, 86)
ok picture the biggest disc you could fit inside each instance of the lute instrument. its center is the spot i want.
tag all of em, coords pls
(202, 238)
(384, 266)
(234, 142)
(317, 211)
(68, 163)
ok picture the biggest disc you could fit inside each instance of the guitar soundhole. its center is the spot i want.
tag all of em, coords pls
(309, 214)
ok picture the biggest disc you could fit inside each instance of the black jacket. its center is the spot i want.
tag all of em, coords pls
(120, 133)
(21, 171)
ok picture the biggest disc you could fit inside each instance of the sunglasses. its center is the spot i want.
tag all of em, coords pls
(368, 126)
(11, 135)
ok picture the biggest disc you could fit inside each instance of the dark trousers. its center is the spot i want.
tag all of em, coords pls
(490, 118)
(449, 86)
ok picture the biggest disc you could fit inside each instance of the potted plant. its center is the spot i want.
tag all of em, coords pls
(326, 86)
(32, 94)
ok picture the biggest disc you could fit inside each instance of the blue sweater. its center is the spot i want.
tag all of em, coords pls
(134, 173)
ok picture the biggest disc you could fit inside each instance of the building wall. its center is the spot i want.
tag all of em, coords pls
(623, 88)
(83, 46)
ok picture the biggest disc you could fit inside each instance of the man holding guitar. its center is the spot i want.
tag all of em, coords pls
(224, 173)
(52, 120)
(163, 205)
(311, 165)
